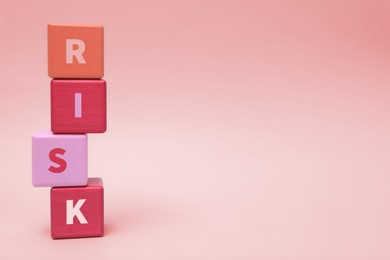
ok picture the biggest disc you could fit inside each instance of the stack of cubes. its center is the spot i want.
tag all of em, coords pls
(78, 107)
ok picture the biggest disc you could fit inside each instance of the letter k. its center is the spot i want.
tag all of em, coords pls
(71, 212)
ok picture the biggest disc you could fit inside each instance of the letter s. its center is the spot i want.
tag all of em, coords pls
(54, 158)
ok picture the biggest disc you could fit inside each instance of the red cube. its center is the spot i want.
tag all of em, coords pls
(77, 211)
(78, 106)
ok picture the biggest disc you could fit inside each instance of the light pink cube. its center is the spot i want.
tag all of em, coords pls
(59, 160)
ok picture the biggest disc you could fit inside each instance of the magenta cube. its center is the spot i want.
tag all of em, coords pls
(78, 211)
(59, 160)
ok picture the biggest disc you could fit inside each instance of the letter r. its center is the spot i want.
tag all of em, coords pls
(71, 51)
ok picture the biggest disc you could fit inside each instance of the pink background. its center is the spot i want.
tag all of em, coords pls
(236, 129)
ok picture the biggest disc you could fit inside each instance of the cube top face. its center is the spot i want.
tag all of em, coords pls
(75, 51)
(78, 106)
(78, 211)
(59, 160)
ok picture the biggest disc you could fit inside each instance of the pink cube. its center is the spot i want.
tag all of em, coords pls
(77, 211)
(59, 160)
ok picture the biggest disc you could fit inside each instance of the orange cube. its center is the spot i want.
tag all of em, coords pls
(76, 51)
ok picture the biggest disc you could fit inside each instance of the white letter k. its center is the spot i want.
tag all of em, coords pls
(71, 212)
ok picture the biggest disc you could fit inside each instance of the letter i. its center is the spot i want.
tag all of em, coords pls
(78, 97)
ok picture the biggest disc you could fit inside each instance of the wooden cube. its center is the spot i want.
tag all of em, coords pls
(59, 160)
(77, 211)
(75, 51)
(78, 106)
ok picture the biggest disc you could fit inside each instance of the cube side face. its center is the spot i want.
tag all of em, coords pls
(75, 51)
(77, 212)
(59, 160)
(78, 106)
